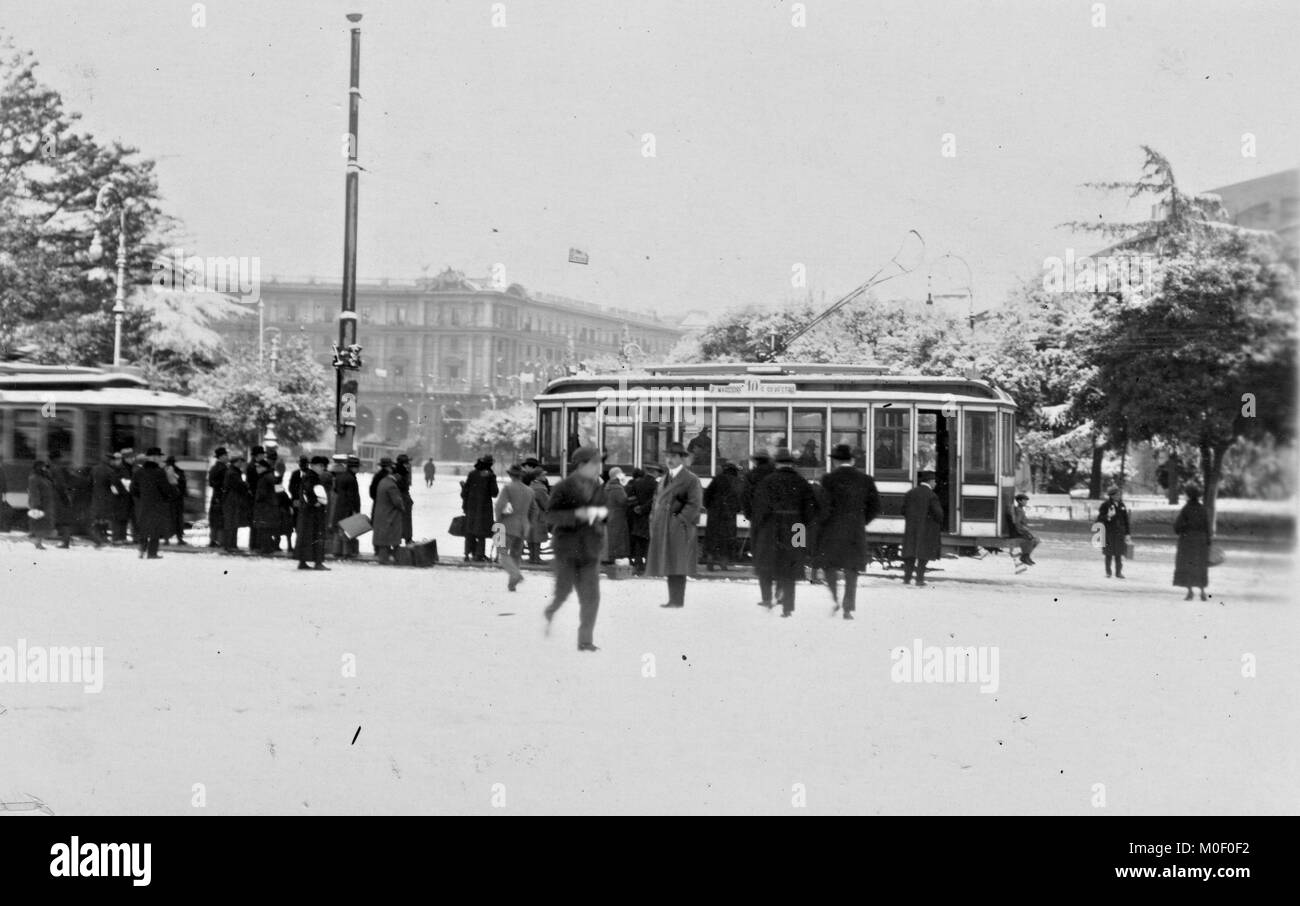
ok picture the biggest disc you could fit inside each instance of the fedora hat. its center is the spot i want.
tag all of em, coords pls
(676, 449)
(842, 452)
(784, 455)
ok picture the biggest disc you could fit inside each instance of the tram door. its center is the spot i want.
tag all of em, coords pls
(936, 450)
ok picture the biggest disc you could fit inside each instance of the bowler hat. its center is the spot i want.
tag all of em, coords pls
(354, 460)
(320, 461)
(842, 452)
(585, 454)
(258, 451)
(220, 451)
(1022, 496)
(675, 449)
(924, 475)
(532, 462)
(153, 451)
(386, 461)
(784, 455)
(761, 456)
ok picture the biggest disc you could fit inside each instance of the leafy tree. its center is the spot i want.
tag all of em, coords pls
(245, 395)
(505, 433)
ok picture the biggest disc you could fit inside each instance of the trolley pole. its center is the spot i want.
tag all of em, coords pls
(345, 396)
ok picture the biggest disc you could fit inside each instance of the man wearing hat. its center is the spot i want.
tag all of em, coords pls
(515, 511)
(256, 455)
(784, 513)
(153, 494)
(217, 484)
(1020, 528)
(674, 545)
(176, 476)
(577, 515)
(237, 504)
(105, 488)
(386, 513)
(922, 523)
(761, 466)
(1114, 518)
(402, 472)
(476, 497)
(640, 500)
(347, 502)
(124, 513)
(851, 503)
(313, 505)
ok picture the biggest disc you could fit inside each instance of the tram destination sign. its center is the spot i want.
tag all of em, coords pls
(753, 385)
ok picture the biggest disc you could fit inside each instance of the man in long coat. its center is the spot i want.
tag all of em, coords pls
(105, 488)
(1113, 516)
(217, 484)
(922, 524)
(313, 505)
(42, 499)
(346, 502)
(721, 503)
(476, 503)
(237, 504)
(153, 492)
(124, 512)
(539, 533)
(61, 478)
(515, 511)
(577, 516)
(617, 541)
(761, 466)
(674, 546)
(386, 517)
(402, 472)
(851, 503)
(266, 511)
(640, 501)
(178, 505)
(784, 512)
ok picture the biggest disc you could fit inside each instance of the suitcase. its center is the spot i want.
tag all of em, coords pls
(424, 554)
(355, 526)
(618, 571)
(403, 557)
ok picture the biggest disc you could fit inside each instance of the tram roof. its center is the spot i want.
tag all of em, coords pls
(25, 384)
(807, 378)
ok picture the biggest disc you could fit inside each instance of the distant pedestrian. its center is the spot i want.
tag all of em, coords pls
(237, 504)
(430, 473)
(153, 492)
(402, 472)
(217, 484)
(540, 532)
(1020, 528)
(1113, 517)
(476, 503)
(313, 505)
(42, 503)
(761, 466)
(640, 501)
(177, 476)
(617, 540)
(721, 504)
(784, 510)
(515, 511)
(922, 524)
(577, 514)
(851, 503)
(386, 516)
(674, 545)
(1192, 562)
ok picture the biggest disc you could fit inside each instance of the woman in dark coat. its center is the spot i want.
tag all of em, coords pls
(617, 540)
(236, 504)
(476, 503)
(268, 516)
(721, 503)
(386, 518)
(41, 498)
(1192, 563)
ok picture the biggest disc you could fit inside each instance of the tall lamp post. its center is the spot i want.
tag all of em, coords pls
(97, 252)
(345, 392)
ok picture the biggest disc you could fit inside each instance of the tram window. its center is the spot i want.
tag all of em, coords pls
(809, 442)
(733, 436)
(148, 431)
(93, 440)
(849, 426)
(927, 432)
(26, 428)
(124, 431)
(618, 443)
(581, 430)
(893, 440)
(654, 439)
(697, 435)
(58, 435)
(771, 429)
(1008, 444)
(549, 449)
(978, 453)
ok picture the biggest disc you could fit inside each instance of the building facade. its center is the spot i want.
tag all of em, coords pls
(439, 351)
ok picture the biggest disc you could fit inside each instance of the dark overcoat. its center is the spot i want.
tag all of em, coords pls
(266, 503)
(721, 503)
(153, 495)
(387, 517)
(217, 482)
(640, 501)
(124, 503)
(237, 502)
(347, 496)
(674, 544)
(41, 496)
(784, 511)
(105, 489)
(1114, 516)
(851, 503)
(476, 502)
(617, 538)
(753, 478)
(922, 524)
(1192, 562)
(540, 530)
(575, 540)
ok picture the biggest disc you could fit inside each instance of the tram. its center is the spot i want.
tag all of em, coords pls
(897, 425)
(87, 412)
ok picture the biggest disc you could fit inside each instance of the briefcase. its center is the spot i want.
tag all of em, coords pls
(457, 527)
(355, 526)
(424, 554)
(404, 556)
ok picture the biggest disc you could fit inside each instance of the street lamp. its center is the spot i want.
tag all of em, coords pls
(97, 252)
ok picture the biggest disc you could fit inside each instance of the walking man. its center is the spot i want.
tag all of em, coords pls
(922, 523)
(430, 472)
(577, 515)
(674, 547)
(1020, 526)
(515, 510)
(784, 512)
(851, 503)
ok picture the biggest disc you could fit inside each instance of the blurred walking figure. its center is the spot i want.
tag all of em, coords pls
(1113, 516)
(761, 466)
(674, 545)
(1192, 562)
(217, 484)
(577, 517)
(177, 477)
(237, 504)
(539, 533)
(851, 503)
(721, 504)
(476, 503)
(153, 490)
(640, 500)
(61, 478)
(1020, 528)
(42, 503)
(515, 511)
(105, 488)
(430, 473)
(784, 511)
(617, 539)
(386, 515)
(922, 523)
(313, 505)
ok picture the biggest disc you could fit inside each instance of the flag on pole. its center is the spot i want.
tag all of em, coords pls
(577, 256)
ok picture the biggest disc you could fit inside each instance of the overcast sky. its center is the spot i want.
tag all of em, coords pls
(774, 144)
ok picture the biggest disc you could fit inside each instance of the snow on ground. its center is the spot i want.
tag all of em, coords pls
(227, 672)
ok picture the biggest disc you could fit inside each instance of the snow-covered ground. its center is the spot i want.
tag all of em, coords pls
(229, 672)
